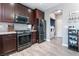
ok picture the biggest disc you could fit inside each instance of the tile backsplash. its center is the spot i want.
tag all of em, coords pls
(20, 26)
(5, 27)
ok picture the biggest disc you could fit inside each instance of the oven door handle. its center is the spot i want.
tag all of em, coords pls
(24, 35)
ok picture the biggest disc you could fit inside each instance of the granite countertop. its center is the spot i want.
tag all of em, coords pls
(3, 33)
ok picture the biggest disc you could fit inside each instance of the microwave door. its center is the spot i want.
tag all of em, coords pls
(21, 19)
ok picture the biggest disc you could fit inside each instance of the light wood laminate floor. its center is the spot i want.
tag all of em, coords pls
(51, 48)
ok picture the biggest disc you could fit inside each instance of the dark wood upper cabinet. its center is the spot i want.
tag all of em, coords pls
(39, 14)
(20, 10)
(8, 12)
(31, 16)
(0, 12)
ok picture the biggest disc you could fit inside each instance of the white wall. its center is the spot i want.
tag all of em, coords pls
(67, 8)
(58, 25)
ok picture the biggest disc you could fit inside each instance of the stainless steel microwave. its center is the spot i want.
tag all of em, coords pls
(21, 19)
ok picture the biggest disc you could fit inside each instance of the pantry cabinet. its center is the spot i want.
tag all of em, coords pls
(38, 15)
(73, 39)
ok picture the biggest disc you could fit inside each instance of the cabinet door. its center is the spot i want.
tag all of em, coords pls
(9, 43)
(0, 11)
(0, 44)
(34, 37)
(31, 16)
(26, 12)
(19, 9)
(8, 14)
(39, 14)
(23, 11)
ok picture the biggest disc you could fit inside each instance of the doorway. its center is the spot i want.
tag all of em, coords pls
(52, 25)
(56, 24)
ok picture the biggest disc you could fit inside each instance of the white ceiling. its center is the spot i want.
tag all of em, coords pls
(40, 6)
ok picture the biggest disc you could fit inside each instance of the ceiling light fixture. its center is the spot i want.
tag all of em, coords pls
(29, 10)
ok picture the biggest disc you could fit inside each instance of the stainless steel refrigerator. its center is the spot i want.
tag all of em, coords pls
(41, 30)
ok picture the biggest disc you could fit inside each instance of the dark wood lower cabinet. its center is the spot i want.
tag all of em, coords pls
(0, 44)
(34, 40)
(7, 43)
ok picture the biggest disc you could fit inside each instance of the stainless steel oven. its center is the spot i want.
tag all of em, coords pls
(23, 39)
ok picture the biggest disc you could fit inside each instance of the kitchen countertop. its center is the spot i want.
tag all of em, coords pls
(34, 30)
(3, 33)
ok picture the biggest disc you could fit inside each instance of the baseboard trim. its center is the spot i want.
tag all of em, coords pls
(65, 45)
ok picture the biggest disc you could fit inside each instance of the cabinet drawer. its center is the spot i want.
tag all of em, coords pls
(34, 37)
(9, 36)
